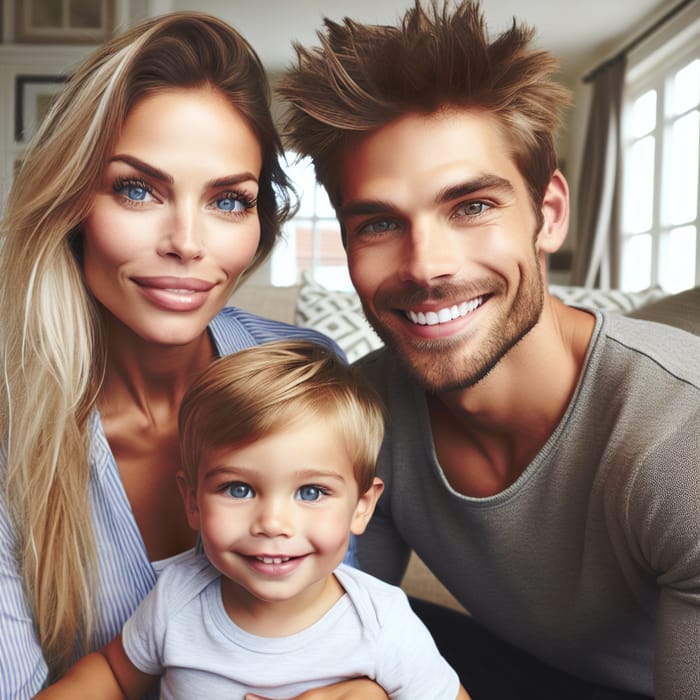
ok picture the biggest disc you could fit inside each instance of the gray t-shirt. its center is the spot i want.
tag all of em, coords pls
(591, 559)
(182, 630)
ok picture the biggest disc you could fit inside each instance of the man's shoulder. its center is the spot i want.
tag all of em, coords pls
(379, 366)
(667, 349)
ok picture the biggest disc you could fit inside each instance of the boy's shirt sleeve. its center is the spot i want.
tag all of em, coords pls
(409, 664)
(144, 632)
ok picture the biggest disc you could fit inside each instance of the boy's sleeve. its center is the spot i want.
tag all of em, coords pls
(409, 664)
(144, 632)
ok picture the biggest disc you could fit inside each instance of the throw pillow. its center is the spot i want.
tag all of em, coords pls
(337, 314)
(607, 299)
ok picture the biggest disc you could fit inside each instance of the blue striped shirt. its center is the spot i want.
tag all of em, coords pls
(126, 574)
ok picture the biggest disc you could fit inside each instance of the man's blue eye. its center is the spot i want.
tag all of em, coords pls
(377, 227)
(240, 491)
(309, 493)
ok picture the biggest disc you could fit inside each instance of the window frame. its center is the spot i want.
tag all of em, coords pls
(655, 72)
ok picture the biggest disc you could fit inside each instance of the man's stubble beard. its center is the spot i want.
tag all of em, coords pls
(437, 365)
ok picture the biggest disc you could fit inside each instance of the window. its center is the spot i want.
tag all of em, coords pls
(660, 241)
(311, 243)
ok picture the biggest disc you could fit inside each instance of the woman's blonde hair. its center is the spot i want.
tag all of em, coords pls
(243, 397)
(52, 347)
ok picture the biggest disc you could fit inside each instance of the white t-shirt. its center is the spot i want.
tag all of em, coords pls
(182, 631)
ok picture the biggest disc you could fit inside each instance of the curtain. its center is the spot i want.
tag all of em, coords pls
(596, 259)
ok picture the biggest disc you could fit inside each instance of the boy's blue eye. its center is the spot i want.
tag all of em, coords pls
(240, 490)
(309, 493)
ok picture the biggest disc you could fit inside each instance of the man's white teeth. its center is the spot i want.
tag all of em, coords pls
(432, 318)
(273, 560)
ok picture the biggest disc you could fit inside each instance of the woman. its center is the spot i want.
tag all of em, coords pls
(151, 189)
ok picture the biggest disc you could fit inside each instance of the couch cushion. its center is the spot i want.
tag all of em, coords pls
(607, 299)
(681, 310)
(337, 314)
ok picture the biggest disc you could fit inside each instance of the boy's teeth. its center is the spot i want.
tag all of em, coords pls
(432, 318)
(273, 560)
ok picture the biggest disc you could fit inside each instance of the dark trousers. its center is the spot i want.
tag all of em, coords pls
(491, 669)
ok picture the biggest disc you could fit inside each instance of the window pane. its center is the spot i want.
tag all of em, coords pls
(323, 204)
(677, 259)
(283, 263)
(643, 114)
(638, 203)
(679, 193)
(301, 173)
(686, 87)
(636, 263)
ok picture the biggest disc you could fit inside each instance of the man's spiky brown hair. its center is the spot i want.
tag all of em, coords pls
(362, 77)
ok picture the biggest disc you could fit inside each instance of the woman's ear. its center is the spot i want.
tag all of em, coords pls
(555, 214)
(365, 506)
(189, 496)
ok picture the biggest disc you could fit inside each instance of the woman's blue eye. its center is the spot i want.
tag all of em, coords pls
(138, 193)
(229, 204)
(309, 493)
(240, 491)
(134, 191)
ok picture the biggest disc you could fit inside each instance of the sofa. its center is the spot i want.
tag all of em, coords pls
(339, 315)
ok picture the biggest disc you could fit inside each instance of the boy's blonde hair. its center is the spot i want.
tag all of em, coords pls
(363, 76)
(250, 394)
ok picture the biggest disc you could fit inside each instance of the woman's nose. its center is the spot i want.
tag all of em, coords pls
(183, 237)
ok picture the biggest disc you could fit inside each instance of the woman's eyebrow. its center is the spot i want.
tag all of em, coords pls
(149, 170)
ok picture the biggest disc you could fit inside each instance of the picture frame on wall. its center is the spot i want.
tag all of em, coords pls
(34, 95)
(64, 21)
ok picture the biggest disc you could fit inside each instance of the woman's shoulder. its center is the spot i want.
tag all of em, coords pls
(234, 328)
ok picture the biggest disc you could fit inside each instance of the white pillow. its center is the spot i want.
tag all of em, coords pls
(607, 299)
(337, 314)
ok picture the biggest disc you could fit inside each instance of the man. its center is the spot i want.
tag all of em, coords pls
(541, 459)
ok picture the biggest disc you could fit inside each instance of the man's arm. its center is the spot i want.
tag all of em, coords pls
(107, 674)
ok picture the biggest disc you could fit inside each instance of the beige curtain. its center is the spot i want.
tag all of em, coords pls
(596, 259)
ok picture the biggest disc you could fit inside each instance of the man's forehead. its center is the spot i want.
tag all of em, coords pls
(433, 151)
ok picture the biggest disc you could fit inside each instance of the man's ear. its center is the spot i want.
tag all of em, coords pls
(365, 506)
(189, 496)
(555, 214)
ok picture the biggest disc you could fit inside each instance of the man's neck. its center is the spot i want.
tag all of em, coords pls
(487, 435)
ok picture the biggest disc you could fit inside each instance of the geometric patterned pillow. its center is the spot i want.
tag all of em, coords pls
(607, 299)
(337, 314)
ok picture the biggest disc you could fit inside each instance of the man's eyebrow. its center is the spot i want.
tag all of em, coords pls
(364, 207)
(367, 207)
(149, 170)
(469, 187)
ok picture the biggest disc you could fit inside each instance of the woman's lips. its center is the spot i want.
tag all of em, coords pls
(174, 293)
